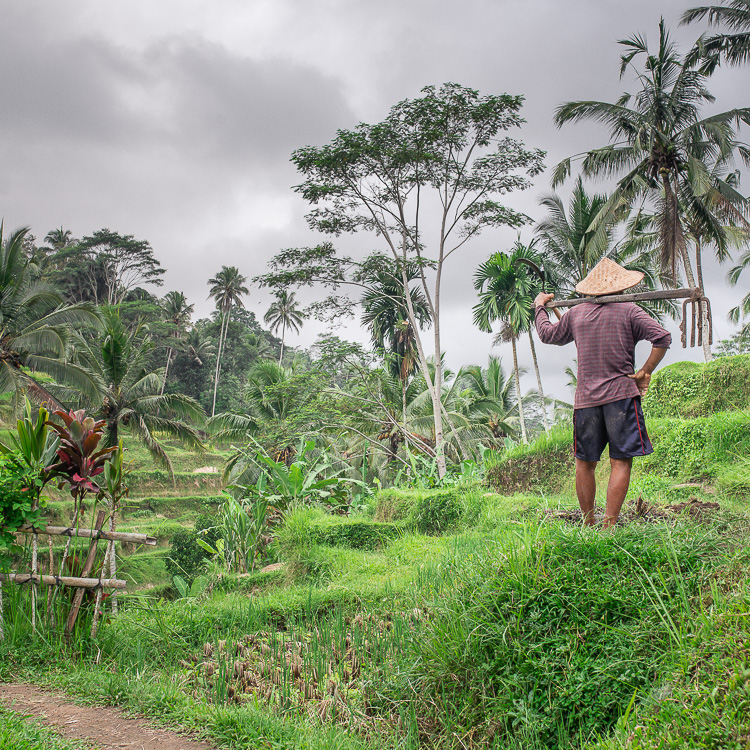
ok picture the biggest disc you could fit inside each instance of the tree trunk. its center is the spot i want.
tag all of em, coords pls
(283, 333)
(34, 571)
(437, 401)
(431, 386)
(166, 370)
(518, 391)
(539, 382)
(705, 332)
(403, 403)
(218, 363)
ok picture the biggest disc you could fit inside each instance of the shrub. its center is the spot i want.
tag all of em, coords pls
(689, 389)
(187, 557)
(546, 464)
(305, 558)
(436, 512)
(394, 505)
(365, 535)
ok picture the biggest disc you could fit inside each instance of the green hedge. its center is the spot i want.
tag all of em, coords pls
(355, 534)
(691, 389)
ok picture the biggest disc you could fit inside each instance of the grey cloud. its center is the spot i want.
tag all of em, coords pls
(182, 134)
(190, 96)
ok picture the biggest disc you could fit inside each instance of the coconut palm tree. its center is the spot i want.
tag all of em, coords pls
(734, 47)
(662, 147)
(35, 328)
(59, 238)
(395, 413)
(492, 397)
(709, 221)
(574, 241)
(284, 313)
(227, 288)
(267, 398)
(198, 346)
(509, 297)
(129, 390)
(385, 314)
(178, 313)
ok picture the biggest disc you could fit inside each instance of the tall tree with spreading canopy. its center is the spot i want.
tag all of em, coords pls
(284, 313)
(227, 288)
(426, 181)
(106, 266)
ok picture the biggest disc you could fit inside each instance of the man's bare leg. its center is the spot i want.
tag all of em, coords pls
(586, 489)
(619, 481)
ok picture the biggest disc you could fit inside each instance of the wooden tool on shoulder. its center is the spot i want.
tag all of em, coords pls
(539, 271)
(691, 295)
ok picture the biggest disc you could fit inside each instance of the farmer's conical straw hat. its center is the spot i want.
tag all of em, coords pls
(608, 277)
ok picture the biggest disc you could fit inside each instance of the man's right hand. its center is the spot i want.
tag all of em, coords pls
(542, 299)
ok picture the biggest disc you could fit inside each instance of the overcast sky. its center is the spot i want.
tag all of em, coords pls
(174, 120)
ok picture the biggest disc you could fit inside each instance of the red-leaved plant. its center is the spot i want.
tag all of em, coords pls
(80, 460)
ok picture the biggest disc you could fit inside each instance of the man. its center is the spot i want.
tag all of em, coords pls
(607, 405)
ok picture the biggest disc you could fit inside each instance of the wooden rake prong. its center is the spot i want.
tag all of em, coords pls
(683, 325)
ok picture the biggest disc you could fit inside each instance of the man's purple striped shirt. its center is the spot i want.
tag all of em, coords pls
(605, 337)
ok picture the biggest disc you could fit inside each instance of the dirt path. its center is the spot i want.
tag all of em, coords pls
(106, 727)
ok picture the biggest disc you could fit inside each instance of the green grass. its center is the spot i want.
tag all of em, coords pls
(705, 703)
(544, 641)
(501, 629)
(230, 727)
(533, 636)
(144, 568)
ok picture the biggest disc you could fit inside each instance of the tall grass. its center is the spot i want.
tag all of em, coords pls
(544, 642)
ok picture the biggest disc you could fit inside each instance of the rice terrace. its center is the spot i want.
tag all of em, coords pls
(447, 446)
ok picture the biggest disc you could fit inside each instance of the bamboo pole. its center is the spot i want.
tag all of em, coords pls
(72, 581)
(98, 602)
(117, 536)
(689, 292)
(51, 572)
(87, 565)
(34, 570)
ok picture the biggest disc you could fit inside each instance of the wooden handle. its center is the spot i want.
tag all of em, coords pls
(557, 312)
(693, 293)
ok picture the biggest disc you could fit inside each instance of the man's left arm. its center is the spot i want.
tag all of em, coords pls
(645, 328)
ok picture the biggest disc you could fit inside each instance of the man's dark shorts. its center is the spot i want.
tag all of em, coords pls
(620, 424)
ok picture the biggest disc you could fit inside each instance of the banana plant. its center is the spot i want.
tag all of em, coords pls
(33, 441)
(306, 479)
(35, 445)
